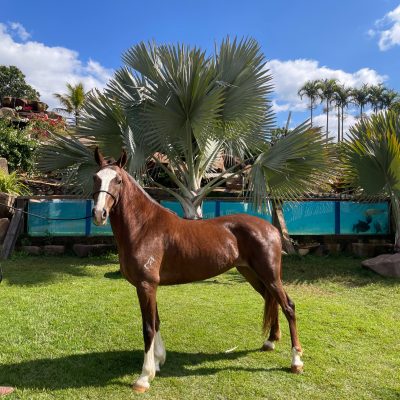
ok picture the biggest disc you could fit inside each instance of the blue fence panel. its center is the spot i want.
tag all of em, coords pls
(303, 218)
(241, 207)
(174, 206)
(310, 217)
(209, 207)
(60, 208)
(364, 218)
(56, 209)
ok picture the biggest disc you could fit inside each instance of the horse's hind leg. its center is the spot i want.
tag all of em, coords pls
(267, 267)
(288, 308)
(271, 307)
(159, 348)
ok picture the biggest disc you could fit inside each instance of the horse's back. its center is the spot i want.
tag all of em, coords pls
(199, 249)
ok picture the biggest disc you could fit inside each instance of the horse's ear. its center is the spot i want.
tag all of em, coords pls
(99, 157)
(123, 159)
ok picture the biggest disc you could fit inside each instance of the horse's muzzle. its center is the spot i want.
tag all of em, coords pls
(99, 216)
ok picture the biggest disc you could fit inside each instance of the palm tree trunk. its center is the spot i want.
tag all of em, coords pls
(342, 122)
(278, 220)
(338, 124)
(190, 210)
(327, 118)
(361, 111)
(311, 109)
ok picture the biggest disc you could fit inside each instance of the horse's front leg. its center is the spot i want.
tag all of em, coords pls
(146, 292)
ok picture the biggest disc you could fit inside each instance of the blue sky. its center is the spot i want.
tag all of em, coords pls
(355, 41)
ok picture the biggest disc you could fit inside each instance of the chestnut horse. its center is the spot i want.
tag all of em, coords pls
(156, 247)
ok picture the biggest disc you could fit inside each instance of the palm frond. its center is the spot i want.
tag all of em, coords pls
(297, 164)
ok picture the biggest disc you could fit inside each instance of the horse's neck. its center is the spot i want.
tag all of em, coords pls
(134, 209)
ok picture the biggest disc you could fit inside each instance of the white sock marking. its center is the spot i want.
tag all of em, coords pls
(148, 370)
(296, 361)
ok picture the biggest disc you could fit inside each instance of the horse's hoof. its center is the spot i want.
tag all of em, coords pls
(268, 346)
(140, 389)
(297, 369)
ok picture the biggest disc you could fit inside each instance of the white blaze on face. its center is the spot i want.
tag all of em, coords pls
(106, 176)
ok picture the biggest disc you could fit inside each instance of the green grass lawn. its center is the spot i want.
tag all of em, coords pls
(71, 329)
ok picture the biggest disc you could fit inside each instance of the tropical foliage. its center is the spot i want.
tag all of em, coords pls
(12, 83)
(310, 90)
(17, 147)
(11, 184)
(192, 108)
(332, 92)
(72, 102)
(372, 159)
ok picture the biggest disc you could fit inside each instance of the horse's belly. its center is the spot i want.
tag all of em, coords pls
(197, 266)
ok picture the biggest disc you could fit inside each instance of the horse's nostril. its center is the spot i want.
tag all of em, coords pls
(104, 213)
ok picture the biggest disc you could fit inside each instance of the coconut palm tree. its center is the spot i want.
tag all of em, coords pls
(72, 102)
(327, 89)
(310, 90)
(360, 96)
(342, 99)
(372, 159)
(179, 102)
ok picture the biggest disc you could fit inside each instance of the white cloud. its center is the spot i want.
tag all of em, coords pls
(19, 29)
(46, 68)
(289, 76)
(387, 29)
(320, 120)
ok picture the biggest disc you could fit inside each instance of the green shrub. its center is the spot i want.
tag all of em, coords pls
(11, 184)
(17, 148)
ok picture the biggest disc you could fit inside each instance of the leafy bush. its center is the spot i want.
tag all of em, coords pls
(11, 184)
(17, 148)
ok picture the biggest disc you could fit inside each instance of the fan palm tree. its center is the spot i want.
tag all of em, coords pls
(327, 89)
(310, 90)
(342, 97)
(360, 96)
(177, 101)
(72, 102)
(372, 159)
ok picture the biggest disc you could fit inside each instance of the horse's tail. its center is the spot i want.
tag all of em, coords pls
(270, 311)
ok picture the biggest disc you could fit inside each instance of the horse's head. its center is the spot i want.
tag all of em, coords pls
(106, 186)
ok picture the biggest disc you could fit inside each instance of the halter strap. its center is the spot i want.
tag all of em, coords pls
(115, 200)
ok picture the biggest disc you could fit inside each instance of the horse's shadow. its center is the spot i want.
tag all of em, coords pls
(102, 368)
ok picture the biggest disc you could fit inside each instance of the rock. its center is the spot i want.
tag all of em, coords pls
(4, 223)
(33, 250)
(53, 250)
(385, 265)
(85, 250)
